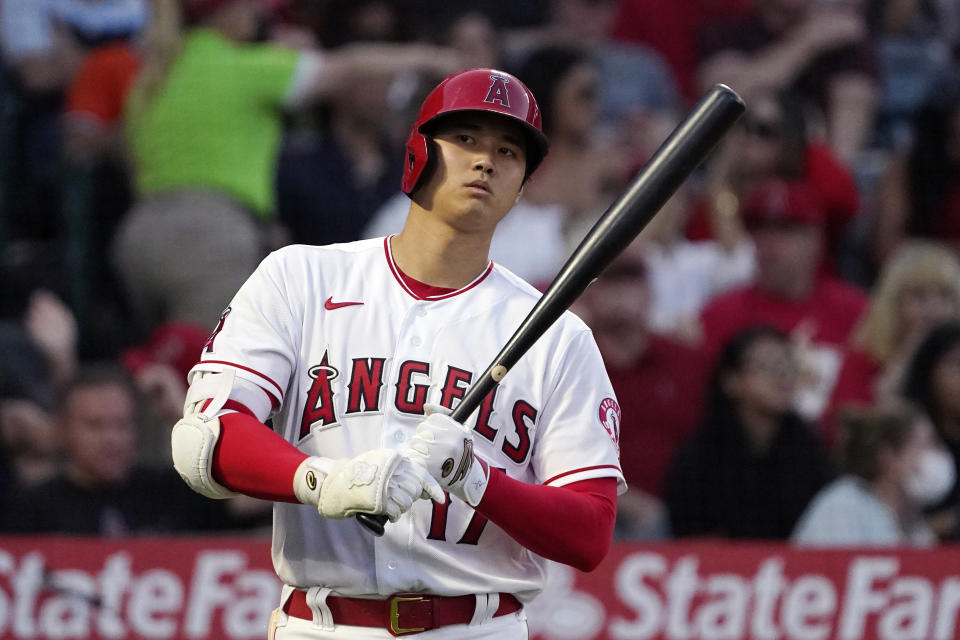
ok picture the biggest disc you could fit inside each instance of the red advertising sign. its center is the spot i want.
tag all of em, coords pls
(135, 588)
(728, 591)
(225, 588)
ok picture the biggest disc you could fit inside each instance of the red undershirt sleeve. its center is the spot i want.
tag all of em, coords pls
(252, 459)
(572, 524)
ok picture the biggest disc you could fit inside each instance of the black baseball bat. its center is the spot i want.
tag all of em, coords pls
(685, 148)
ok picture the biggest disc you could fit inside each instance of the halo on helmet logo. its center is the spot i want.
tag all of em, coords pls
(498, 90)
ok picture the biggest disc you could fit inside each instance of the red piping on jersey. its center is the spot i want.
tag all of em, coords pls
(395, 270)
(567, 473)
(249, 370)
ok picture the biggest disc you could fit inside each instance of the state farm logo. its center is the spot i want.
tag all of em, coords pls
(221, 597)
(851, 597)
(610, 419)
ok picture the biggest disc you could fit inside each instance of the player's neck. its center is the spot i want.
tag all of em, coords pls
(437, 254)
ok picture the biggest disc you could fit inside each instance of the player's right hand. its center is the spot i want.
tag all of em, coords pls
(380, 482)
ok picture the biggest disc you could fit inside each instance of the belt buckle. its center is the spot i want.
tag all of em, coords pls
(395, 601)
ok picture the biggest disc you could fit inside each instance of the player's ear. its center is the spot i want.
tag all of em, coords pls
(519, 194)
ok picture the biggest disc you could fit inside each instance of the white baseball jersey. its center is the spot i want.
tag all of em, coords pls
(351, 355)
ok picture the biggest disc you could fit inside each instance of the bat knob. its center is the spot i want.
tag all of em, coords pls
(376, 524)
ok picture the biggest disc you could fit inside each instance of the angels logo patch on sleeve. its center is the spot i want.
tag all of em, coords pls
(610, 419)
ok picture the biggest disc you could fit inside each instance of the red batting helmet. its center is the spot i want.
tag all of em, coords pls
(474, 90)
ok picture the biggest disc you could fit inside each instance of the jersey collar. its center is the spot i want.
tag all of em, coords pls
(413, 291)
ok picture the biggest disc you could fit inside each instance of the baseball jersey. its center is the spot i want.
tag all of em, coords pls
(351, 354)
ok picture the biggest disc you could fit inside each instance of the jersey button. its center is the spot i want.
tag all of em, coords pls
(392, 565)
(421, 312)
(399, 436)
(416, 341)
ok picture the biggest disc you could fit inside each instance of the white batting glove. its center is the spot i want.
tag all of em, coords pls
(445, 448)
(380, 482)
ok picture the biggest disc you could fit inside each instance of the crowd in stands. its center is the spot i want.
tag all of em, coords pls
(784, 337)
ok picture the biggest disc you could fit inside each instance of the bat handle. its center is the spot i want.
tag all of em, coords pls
(376, 524)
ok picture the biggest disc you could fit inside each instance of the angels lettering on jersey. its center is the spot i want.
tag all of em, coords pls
(363, 381)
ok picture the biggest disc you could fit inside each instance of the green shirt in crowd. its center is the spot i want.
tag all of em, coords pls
(215, 123)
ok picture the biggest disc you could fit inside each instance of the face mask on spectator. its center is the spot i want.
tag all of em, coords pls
(932, 478)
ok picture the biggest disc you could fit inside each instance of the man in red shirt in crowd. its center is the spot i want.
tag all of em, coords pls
(658, 383)
(789, 291)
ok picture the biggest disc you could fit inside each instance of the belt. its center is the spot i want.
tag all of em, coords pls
(401, 613)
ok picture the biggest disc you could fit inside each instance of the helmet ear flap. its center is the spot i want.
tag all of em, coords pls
(418, 156)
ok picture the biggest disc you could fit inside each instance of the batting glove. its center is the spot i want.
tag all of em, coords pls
(380, 482)
(445, 448)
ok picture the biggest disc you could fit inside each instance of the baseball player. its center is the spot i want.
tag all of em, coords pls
(358, 351)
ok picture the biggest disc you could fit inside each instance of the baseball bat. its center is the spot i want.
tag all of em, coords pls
(685, 148)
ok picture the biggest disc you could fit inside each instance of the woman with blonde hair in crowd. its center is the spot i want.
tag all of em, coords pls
(919, 287)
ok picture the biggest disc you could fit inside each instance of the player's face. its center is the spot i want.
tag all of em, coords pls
(481, 162)
(100, 427)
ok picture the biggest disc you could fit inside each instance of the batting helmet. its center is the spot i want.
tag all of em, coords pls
(474, 90)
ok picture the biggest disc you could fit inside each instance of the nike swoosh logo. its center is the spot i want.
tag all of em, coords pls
(330, 305)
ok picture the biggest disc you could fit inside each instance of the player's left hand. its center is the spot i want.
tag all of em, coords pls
(445, 448)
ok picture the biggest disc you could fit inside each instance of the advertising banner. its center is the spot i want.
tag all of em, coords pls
(185, 588)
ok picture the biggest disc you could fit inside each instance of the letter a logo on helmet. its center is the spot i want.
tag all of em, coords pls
(498, 91)
(486, 90)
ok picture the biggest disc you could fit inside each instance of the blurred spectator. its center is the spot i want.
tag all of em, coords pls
(948, 23)
(819, 49)
(770, 141)
(913, 59)
(159, 368)
(100, 489)
(893, 466)
(95, 99)
(509, 15)
(933, 383)
(789, 292)
(346, 21)
(633, 78)
(671, 27)
(473, 35)
(332, 180)
(204, 142)
(685, 275)
(95, 189)
(753, 464)
(43, 42)
(657, 382)
(28, 439)
(918, 288)
(919, 194)
(580, 164)
(332, 177)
